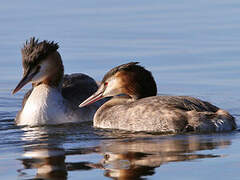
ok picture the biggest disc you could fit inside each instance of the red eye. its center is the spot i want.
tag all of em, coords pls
(106, 83)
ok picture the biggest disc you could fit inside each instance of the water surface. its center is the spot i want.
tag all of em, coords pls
(192, 48)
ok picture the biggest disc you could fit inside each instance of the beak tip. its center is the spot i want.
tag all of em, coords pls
(13, 92)
(81, 105)
(95, 97)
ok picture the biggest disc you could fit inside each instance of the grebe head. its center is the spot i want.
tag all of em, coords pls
(41, 64)
(130, 79)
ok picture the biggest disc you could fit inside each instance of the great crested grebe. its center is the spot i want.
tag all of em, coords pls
(54, 97)
(141, 110)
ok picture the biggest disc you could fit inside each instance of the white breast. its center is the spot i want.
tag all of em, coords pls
(45, 105)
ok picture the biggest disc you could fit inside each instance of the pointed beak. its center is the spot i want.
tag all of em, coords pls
(26, 78)
(95, 97)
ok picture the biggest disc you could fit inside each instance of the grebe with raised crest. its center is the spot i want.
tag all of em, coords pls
(54, 97)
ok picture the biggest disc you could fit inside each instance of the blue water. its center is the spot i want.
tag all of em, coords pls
(191, 47)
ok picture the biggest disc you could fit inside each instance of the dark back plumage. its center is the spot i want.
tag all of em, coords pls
(34, 51)
(78, 87)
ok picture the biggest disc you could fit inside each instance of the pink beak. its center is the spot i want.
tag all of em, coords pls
(95, 97)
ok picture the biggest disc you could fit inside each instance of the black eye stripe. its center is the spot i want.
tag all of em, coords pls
(37, 70)
(29, 70)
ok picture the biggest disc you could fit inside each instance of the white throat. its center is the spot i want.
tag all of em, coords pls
(45, 105)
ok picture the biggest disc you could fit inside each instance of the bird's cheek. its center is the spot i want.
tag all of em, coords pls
(40, 76)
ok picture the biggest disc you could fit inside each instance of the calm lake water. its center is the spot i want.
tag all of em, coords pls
(191, 47)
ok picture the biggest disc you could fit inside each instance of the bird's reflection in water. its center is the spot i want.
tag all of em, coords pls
(49, 163)
(134, 159)
(44, 152)
(47, 157)
(131, 157)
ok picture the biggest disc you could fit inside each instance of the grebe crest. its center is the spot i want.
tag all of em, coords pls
(49, 102)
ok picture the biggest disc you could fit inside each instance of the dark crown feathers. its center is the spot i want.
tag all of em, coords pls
(34, 51)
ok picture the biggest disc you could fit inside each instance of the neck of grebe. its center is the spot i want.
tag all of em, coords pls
(117, 100)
